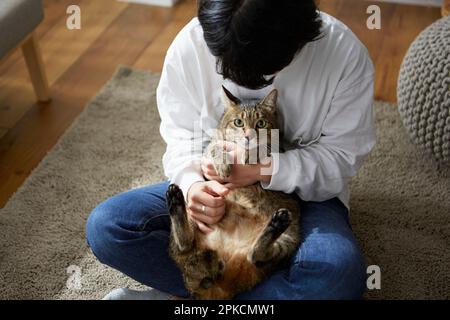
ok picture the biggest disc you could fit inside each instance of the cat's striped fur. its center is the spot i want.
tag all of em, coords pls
(259, 230)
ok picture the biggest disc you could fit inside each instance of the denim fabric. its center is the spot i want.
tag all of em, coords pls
(130, 232)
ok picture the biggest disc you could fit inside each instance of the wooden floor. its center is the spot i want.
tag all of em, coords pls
(79, 62)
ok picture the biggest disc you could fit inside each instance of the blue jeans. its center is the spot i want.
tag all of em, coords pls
(130, 232)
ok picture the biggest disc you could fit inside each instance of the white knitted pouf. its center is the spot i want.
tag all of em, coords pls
(423, 91)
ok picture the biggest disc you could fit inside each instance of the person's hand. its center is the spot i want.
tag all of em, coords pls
(206, 203)
(242, 175)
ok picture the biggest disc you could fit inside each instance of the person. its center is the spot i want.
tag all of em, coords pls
(324, 77)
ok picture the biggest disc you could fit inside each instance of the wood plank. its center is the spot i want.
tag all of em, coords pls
(60, 49)
(400, 24)
(53, 13)
(394, 48)
(3, 132)
(356, 19)
(445, 8)
(122, 42)
(152, 58)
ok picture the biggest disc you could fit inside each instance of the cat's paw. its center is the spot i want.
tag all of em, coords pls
(174, 198)
(280, 221)
(223, 170)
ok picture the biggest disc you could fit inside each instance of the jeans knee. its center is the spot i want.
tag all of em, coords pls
(346, 272)
(335, 267)
(98, 235)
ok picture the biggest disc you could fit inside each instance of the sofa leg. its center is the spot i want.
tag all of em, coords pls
(33, 59)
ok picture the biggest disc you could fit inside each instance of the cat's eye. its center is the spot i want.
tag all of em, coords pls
(261, 124)
(238, 123)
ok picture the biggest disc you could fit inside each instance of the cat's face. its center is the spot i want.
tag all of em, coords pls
(246, 117)
(249, 124)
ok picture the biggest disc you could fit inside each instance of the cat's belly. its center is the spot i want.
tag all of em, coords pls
(233, 241)
(248, 210)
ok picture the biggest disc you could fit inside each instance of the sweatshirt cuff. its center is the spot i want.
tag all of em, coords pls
(186, 178)
(281, 174)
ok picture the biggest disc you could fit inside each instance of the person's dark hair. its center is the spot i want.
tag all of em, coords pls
(256, 38)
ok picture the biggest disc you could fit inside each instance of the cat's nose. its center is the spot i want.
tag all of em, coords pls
(249, 134)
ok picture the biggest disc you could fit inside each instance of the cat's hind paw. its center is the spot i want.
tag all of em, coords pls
(175, 199)
(280, 221)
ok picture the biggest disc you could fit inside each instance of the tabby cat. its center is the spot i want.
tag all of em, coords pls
(260, 228)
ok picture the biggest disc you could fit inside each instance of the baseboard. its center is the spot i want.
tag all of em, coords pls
(162, 3)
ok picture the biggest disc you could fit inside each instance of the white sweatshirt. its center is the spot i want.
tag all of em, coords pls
(324, 104)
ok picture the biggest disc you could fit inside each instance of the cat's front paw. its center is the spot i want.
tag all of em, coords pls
(223, 170)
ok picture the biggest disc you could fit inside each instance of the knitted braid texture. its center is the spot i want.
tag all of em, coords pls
(423, 91)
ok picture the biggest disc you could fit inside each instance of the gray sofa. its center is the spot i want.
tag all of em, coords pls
(18, 21)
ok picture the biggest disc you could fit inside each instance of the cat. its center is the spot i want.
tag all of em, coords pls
(260, 228)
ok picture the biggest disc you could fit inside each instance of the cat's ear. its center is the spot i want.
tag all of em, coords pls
(228, 99)
(270, 101)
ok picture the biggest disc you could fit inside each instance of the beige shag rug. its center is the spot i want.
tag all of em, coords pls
(400, 208)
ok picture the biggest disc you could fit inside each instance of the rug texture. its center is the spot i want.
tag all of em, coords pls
(400, 205)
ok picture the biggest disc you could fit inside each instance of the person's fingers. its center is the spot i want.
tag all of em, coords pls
(208, 164)
(208, 167)
(204, 218)
(217, 188)
(214, 178)
(208, 172)
(204, 210)
(208, 200)
(203, 227)
(230, 185)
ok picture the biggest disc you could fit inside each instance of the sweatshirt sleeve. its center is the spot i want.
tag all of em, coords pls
(320, 171)
(179, 117)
